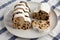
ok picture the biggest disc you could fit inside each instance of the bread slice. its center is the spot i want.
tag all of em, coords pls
(41, 24)
(41, 15)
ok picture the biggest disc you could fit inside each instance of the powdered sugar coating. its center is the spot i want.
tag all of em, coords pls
(45, 7)
(24, 7)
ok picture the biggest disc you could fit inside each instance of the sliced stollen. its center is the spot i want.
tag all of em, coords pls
(41, 21)
(21, 18)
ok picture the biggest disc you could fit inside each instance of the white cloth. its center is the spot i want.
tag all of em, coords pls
(6, 35)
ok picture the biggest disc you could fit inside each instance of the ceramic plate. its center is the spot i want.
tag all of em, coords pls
(28, 33)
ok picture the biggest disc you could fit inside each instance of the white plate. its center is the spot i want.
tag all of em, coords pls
(28, 33)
